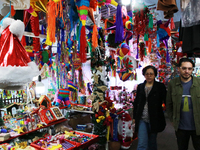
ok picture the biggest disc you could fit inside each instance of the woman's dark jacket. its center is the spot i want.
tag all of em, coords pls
(155, 99)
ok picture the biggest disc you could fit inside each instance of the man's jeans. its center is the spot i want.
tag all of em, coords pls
(146, 140)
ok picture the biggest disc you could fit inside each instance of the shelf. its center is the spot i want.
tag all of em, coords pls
(82, 111)
(76, 105)
(53, 123)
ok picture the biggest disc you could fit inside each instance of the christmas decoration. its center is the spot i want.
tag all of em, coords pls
(14, 60)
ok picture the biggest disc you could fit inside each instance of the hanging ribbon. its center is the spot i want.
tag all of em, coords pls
(62, 35)
(167, 57)
(158, 41)
(138, 37)
(149, 45)
(58, 50)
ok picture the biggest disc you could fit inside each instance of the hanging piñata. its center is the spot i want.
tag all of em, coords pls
(82, 7)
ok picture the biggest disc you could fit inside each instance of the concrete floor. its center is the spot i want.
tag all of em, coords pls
(166, 140)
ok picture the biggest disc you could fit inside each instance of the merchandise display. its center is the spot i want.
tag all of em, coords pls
(70, 68)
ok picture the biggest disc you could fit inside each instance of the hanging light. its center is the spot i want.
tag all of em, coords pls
(40, 88)
(126, 2)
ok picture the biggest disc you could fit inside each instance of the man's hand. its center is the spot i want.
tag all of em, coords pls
(133, 121)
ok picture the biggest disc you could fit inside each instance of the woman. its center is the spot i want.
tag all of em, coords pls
(148, 114)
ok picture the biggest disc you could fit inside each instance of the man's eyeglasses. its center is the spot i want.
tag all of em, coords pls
(185, 68)
(151, 74)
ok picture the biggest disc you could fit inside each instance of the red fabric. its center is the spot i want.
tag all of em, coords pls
(35, 25)
(36, 44)
(127, 117)
(26, 18)
(12, 10)
(142, 51)
(12, 52)
(83, 45)
(23, 41)
(172, 24)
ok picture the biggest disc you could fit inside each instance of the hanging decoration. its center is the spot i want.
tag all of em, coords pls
(123, 50)
(82, 7)
(35, 29)
(164, 33)
(119, 32)
(15, 63)
(52, 13)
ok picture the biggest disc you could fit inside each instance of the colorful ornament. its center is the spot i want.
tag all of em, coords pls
(124, 74)
(129, 63)
(82, 7)
(129, 25)
(123, 50)
(15, 63)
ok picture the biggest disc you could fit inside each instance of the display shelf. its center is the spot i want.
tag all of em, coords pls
(53, 123)
(81, 105)
(76, 105)
(82, 111)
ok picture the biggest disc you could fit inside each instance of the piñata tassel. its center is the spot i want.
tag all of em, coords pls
(146, 37)
(167, 57)
(158, 41)
(48, 42)
(137, 56)
(80, 79)
(149, 46)
(145, 52)
(119, 32)
(51, 20)
(151, 21)
(83, 45)
(142, 53)
(105, 25)
(172, 25)
(94, 36)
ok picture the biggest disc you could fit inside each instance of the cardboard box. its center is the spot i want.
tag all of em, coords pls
(79, 119)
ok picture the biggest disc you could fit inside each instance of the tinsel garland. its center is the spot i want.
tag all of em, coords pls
(34, 21)
(142, 52)
(80, 79)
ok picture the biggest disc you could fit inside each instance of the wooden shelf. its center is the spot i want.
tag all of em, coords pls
(53, 123)
(81, 111)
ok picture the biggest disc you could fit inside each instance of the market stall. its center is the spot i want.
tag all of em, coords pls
(70, 68)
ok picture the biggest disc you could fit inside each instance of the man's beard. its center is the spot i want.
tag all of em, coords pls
(185, 77)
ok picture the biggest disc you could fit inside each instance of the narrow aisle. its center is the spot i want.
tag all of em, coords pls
(166, 140)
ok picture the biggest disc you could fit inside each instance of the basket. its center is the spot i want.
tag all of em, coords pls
(94, 139)
(37, 147)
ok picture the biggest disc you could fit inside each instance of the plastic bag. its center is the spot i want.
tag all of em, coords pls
(191, 15)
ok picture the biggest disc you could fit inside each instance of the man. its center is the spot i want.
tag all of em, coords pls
(183, 105)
